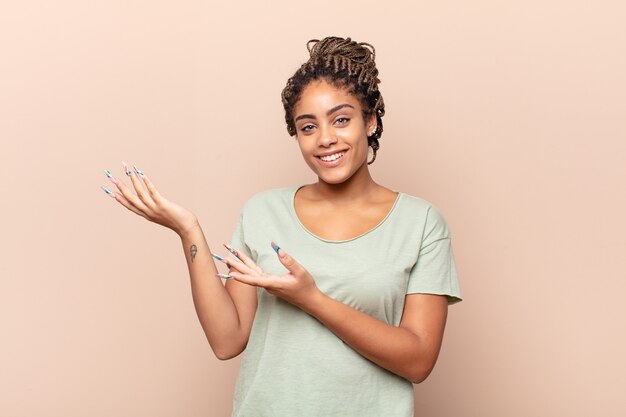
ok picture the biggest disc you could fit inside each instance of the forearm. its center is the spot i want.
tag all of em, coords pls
(393, 348)
(409, 350)
(214, 306)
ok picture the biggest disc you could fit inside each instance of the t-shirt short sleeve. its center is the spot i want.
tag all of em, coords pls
(435, 270)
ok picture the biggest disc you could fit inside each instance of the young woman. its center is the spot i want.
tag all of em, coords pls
(338, 290)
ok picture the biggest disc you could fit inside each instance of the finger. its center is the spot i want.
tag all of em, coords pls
(156, 196)
(288, 262)
(133, 199)
(256, 280)
(140, 188)
(235, 266)
(123, 201)
(242, 267)
(130, 197)
(244, 258)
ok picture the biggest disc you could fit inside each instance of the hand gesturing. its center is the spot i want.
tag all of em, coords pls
(297, 286)
(149, 203)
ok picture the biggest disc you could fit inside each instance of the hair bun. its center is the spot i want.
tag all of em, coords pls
(360, 52)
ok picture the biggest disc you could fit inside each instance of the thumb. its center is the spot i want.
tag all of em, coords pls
(289, 263)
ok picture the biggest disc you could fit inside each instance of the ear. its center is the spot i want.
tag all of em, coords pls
(371, 124)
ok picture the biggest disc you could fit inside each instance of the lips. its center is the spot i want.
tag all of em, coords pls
(332, 157)
(331, 160)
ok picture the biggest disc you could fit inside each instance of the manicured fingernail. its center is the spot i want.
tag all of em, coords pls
(223, 276)
(230, 249)
(126, 170)
(233, 251)
(219, 258)
(108, 174)
(109, 192)
(281, 253)
(275, 247)
(137, 170)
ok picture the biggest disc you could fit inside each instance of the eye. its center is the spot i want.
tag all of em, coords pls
(307, 128)
(342, 120)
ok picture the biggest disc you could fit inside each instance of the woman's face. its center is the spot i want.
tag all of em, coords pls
(331, 131)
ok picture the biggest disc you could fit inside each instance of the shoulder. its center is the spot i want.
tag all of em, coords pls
(418, 206)
(414, 202)
(273, 198)
(428, 215)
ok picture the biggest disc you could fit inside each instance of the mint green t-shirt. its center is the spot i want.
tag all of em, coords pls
(293, 366)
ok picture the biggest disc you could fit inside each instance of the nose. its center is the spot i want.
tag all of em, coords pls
(327, 136)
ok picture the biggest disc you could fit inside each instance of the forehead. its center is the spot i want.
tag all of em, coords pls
(320, 96)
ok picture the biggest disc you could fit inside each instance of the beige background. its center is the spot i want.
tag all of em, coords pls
(509, 116)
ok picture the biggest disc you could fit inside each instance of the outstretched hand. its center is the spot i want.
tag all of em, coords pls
(147, 202)
(297, 286)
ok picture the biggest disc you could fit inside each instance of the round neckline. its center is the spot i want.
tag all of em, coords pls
(292, 207)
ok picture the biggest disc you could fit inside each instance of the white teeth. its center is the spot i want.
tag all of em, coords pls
(332, 157)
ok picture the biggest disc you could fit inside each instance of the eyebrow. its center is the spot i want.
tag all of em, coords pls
(328, 113)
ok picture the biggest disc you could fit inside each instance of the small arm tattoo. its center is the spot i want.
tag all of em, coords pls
(193, 250)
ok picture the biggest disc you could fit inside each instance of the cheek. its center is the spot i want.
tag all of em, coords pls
(356, 137)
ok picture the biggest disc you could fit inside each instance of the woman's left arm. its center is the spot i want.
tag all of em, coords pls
(409, 350)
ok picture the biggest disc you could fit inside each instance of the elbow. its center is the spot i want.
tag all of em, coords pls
(225, 355)
(227, 347)
(419, 378)
(420, 372)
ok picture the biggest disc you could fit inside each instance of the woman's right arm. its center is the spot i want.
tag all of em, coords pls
(225, 312)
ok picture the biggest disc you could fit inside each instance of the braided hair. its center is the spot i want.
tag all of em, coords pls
(343, 63)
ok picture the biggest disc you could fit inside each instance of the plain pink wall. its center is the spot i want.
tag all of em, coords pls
(509, 116)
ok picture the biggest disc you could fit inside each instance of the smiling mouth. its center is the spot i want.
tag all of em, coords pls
(333, 157)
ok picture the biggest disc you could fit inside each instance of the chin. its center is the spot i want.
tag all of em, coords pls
(335, 178)
(332, 181)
